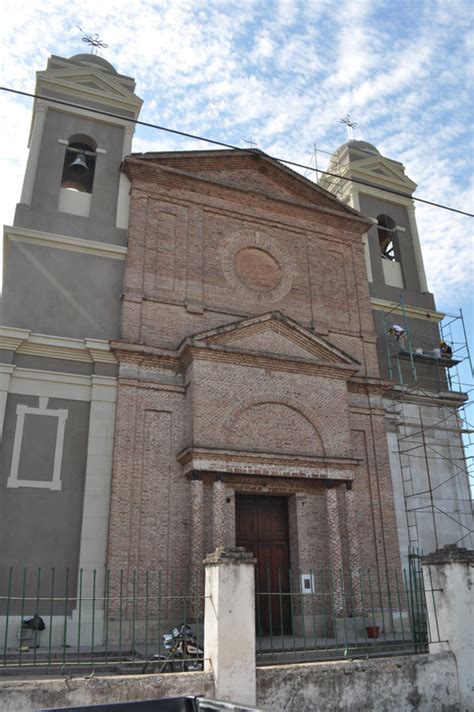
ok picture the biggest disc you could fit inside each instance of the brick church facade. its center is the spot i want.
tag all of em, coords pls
(248, 373)
(194, 353)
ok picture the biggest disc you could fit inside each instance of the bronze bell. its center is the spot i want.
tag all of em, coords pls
(79, 165)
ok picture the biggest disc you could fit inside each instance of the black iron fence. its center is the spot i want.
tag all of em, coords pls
(317, 615)
(114, 621)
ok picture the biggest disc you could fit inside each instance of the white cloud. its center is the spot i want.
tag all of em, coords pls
(283, 72)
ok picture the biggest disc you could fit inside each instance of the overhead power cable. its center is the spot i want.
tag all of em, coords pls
(195, 137)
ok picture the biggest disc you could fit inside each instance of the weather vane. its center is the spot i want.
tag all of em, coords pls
(350, 126)
(93, 41)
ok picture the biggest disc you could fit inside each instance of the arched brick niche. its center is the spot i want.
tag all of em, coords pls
(275, 427)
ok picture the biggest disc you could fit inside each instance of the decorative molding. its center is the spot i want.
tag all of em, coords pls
(53, 384)
(165, 177)
(65, 242)
(202, 459)
(25, 342)
(11, 338)
(451, 399)
(108, 90)
(100, 350)
(280, 324)
(379, 192)
(253, 359)
(407, 310)
(369, 386)
(42, 410)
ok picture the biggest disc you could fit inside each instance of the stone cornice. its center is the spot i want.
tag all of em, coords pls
(239, 462)
(451, 399)
(406, 310)
(65, 242)
(25, 342)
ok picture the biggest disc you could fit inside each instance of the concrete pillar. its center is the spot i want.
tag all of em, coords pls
(95, 513)
(33, 156)
(335, 549)
(354, 550)
(123, 200)
(218, 513)
(448, 576)
(229, 624)
(417, 248)
(6, 371)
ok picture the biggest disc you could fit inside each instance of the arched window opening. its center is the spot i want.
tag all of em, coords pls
(386, 231)
(79, 164)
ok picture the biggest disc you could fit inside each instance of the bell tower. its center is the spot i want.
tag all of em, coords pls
(63, 264)
(422, 404)
(69, 235)
(381, 190)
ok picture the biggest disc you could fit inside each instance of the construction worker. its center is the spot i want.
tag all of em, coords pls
(398, 333)
(446, 350)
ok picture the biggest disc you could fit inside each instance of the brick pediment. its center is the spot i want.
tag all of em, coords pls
(274, 334)
(251, 171)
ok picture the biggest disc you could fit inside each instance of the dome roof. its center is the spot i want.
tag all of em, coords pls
(94, 59)
(361, 146)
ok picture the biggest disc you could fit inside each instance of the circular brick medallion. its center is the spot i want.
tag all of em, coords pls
(257, 266)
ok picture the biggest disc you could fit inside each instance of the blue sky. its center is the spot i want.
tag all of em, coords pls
(282, 73)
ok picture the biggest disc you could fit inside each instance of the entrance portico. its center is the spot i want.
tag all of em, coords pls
(318, 496)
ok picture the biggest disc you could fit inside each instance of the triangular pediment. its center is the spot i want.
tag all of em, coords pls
(378, 169)
(86, 78)
(274, 334)
(252, 171)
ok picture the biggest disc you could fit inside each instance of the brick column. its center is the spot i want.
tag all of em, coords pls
(335, 549)
(354, 550)
(218, 513)
(197, 529)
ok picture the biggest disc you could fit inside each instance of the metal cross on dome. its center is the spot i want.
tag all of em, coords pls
(93, 41)
(251, 142)
(350, 125)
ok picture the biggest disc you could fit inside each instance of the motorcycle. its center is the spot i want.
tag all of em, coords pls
(183, 654)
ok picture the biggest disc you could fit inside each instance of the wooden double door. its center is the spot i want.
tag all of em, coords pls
(262, 528)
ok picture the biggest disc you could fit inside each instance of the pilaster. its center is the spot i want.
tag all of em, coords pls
(33, 156)
(354, 550)
(335, 549)
(218, 513)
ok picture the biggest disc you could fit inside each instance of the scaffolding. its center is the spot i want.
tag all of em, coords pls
(328, 161)
(430, 409)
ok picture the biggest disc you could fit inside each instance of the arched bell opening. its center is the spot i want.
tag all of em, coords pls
(390, 251)
(79, 164)
(386, 232)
